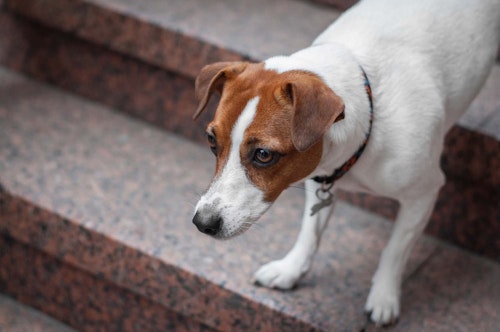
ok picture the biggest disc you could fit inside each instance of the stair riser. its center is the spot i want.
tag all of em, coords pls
(166, 99)
(126, 34)
(464, 215)
(467, 216)
(84, 301)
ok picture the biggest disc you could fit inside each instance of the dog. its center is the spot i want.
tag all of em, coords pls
(365, 108)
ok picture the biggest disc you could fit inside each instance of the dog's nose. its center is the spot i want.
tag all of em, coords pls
(210, 225)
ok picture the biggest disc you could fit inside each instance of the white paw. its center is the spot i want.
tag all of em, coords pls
(282, 274)
(383, 303)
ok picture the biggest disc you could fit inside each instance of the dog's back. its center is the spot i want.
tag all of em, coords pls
(449, 45)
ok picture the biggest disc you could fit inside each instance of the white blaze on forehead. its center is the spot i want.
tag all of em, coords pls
(232, 195)
(244, 121)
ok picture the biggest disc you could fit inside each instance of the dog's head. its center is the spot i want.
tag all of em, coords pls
(266, 134)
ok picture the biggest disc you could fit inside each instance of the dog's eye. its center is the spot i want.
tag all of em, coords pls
(212, 143)
(264, 157)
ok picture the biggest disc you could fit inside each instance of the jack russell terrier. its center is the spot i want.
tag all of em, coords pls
(364, 109)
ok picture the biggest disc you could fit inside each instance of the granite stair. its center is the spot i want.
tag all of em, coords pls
(95, 231)
(98, 181)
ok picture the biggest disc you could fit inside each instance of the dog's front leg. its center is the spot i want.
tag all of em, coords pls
(383, 303)
(286, 272)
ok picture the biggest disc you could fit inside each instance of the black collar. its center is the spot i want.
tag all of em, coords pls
(339, 172)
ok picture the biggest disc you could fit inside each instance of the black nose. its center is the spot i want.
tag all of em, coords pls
(209, 225)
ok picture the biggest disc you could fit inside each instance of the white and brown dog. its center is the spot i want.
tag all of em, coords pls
(306, 115)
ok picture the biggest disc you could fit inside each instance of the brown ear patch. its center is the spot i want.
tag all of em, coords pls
(212, 78)
(316, 108)
(295, 110)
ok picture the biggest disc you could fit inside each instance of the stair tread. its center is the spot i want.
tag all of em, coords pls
(18, 317)
(264, 23)
(136, 185)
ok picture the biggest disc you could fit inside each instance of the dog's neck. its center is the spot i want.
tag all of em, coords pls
(329, 180)
(341, 71)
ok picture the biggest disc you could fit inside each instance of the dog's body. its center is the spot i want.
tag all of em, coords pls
(295, 117)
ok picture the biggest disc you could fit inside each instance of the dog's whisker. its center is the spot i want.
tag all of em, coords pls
(301, 188)
(189, 200)
(297, 187)
(258, 227)
(194, 193)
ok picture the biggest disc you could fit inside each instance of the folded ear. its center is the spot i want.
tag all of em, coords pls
(316, 108)
(212, 78)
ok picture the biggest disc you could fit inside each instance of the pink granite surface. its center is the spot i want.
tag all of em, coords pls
(113, 197)
(183, 35)
(157, 96)
(86, 301)
(16, 317)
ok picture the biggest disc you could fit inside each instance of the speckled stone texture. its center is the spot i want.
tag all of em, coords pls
(165, 97)
(158, 96)
(16, 317)
(87, 302)
(183, 35)
(89, 189)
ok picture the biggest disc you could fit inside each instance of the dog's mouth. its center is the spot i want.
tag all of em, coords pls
(227, 234)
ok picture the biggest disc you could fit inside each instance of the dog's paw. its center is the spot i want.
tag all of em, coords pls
(382, 304)
(281, 274)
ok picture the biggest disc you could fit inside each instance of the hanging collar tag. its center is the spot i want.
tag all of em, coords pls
(325, 197)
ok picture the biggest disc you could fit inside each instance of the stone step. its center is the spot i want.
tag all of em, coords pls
(95, 230)
(16, 317)
(141, 57)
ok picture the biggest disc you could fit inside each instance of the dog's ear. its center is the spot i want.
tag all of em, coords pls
(212, 78)
(316, 108)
